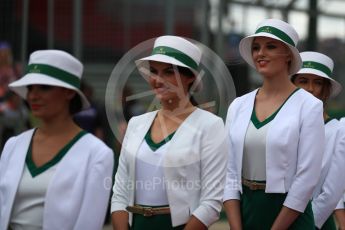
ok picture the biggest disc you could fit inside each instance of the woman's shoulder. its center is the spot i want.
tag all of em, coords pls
(306, 97)
(140, 118)
(342, 120)
(93, 141)
(243, 100)
(25, 134)
(206, 118)
(332, 125)
(205, 114)
(96, 148)
(19, 140)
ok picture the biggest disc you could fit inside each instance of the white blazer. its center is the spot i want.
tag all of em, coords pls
(78, 193)
(330, 189)
(294, 147)
(196, 157)
(340, 205)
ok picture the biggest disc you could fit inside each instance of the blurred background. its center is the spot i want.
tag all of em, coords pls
(100, 32)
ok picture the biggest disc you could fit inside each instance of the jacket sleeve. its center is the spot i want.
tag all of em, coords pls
(120, 198)
(309, 156)
(97, 191)
(9, 146)
(213, 166)
(4, 158)
(232, 189)
(333, 188)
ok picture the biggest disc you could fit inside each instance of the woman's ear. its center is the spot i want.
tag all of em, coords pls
(288, 55)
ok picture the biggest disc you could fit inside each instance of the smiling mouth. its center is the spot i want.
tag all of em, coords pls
(262, 62)
(161, 89)
(35, 107)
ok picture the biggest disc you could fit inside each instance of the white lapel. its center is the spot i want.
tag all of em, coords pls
(279, 126)
(14, 171)
(136, 136)
(239, 128)
(182, 141)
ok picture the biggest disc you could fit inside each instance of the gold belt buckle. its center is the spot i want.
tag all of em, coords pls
(147, 211)
(254, 186)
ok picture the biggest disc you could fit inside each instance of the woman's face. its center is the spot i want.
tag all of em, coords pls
(313, 84)
(48, 101)
(270, 56)
(167, 82)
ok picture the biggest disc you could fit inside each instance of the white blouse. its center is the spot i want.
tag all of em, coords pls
(149, 173)
(27, 212)
(254, 153)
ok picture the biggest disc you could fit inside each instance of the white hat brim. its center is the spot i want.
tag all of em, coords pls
(20, 86)
(335, 86)
(245, 49)
(144, 62)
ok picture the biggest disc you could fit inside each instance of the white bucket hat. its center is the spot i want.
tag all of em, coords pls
(278, 30)
(54, 68)
(176, 51)
(320, 65)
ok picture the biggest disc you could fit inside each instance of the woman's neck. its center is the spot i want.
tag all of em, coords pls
(280, 84)
(176, 105)
(58, 126)
(176, 113)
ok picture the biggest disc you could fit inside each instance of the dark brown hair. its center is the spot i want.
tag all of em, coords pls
(75, 105)
(188, 73)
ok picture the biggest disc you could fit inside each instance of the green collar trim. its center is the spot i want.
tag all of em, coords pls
(154, 146)
(276, 32)
(317, 66)
(178, 55)
(258, 124)
(56, 73)
(34, 170)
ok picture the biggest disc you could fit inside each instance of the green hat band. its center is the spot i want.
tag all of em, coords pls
(317, 66)
(276, 32)
(178, 55)
(55, 73)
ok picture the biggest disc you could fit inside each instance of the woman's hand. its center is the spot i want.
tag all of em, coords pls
(233, 212)
(195, 224)
(119, 220)
(285, 218)
(340, 216)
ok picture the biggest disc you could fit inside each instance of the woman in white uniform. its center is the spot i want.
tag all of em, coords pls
(172, 161)
(54, 176)
(315, 77)
(276, 138)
